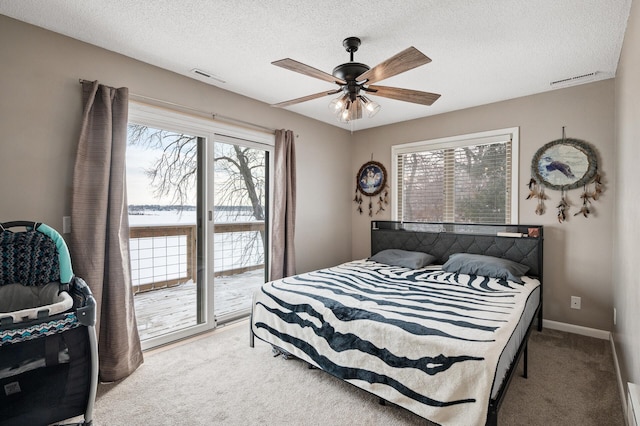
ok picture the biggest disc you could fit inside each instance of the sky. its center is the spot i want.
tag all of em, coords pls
(138, 184)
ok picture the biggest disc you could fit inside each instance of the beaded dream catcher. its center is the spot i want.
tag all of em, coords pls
(562, 165)
(371, 181)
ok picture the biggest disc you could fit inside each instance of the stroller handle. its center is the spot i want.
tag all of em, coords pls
(17, 223)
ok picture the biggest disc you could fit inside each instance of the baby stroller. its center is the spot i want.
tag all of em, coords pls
(48, 346)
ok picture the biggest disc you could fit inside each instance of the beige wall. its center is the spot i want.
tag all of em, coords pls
(577, 252)
(40, 108)
(627, 218)
(40, 111)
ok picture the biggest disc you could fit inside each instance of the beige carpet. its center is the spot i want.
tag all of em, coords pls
(218, 379)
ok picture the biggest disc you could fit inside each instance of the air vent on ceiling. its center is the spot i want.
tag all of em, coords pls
(578, 79)
(206, 74)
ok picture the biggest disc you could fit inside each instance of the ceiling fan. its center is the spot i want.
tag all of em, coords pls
(356, 79)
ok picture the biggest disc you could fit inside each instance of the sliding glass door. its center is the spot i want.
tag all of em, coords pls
(239, 225)
(198, 215)
(165, 241)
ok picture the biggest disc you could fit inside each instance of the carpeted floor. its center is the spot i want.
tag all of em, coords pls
(219, 379)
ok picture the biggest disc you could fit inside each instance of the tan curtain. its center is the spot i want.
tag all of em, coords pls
(100, 227)
(283, 261)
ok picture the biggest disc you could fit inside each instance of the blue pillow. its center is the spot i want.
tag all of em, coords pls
(404, 258)
(488, 266)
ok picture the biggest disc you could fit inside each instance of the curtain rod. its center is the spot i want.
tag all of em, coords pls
(213, 115)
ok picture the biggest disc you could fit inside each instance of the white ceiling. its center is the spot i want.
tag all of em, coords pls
(482, 51)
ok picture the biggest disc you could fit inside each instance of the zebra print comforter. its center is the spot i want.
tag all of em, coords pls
(428, 341)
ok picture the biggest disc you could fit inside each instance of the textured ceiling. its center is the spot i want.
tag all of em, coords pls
(482, 51)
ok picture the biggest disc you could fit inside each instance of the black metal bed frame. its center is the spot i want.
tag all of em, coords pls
(520, 243)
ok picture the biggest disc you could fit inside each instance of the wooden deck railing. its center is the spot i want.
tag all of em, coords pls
(165, 256)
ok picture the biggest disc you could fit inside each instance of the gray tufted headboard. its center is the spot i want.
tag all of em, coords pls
(443, 239)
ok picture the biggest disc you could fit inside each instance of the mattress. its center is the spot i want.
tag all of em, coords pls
(519, 334)
(436, 343)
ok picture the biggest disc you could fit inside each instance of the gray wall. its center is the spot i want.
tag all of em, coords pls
(577, 252)
(40, 112)
(626, 333)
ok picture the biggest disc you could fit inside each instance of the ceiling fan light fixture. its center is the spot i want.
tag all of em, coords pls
(372, 107)
(337, 105)
(347, 110)
(344, 114)
(352, 111)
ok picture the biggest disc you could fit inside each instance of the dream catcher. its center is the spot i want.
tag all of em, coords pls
(371, 181)
(562, 165)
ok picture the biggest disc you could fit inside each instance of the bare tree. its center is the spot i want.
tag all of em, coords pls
(242, 183)
(245, 181)
(174, 173)
(240, 179)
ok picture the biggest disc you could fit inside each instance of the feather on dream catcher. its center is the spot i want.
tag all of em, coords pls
(562, 165)
(371, 181)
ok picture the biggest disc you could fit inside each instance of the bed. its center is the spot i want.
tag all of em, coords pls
(435, 321)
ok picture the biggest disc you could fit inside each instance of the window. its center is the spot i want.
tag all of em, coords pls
(463, 179)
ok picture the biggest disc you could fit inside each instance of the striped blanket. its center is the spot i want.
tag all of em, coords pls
(428, 341)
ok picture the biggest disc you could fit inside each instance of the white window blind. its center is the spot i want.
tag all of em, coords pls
(467, 179)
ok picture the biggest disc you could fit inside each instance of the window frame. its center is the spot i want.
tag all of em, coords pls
(478, 138)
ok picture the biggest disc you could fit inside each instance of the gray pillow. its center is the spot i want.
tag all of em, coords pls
(488, 266)
(407, 259)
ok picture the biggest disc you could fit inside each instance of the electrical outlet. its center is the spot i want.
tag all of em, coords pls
(575, 302)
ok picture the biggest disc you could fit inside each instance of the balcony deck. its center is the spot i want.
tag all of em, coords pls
(168, 309)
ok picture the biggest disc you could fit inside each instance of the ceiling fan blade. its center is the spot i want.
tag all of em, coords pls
(407, 95)
(306, 98)
(301, 68)
(404, 61)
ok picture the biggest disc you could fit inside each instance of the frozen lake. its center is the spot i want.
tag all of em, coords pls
(158, 259)
(185, 217)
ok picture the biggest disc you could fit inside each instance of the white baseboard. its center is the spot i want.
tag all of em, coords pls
(623, 397)
(576, 329)
(633, 404)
